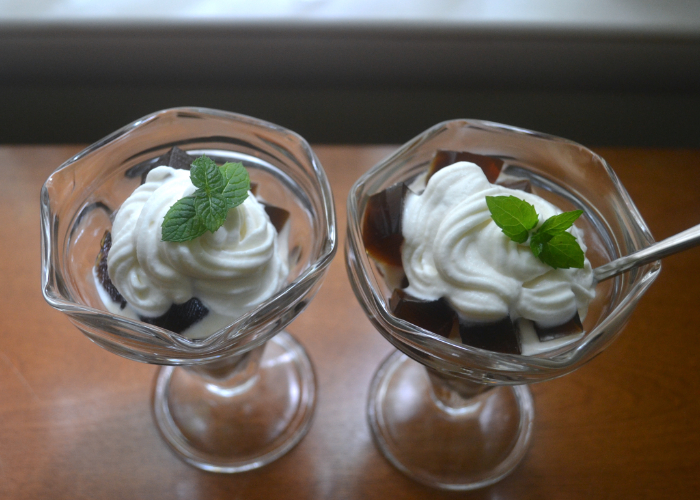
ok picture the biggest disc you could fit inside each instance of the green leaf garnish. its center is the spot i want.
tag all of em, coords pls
(236, 183)
(219, 189)
(562, 251)
(559, 223)
(537, 242)
(514, 216)
(181, 223)
(550, 243)
(212, 209)
(206, 176)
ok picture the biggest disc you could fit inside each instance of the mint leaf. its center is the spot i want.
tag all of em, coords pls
(537, 242)
(559, 223)
(514, 216)
(211, 209)
(555, 225)
(181, 222)
(218, 190)
(236, 183)
(561, 251)
(206, 176)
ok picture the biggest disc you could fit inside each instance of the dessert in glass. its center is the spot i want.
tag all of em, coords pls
(451, 407)
(235, 391)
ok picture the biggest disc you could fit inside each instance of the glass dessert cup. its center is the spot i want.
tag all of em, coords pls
(455, 416)
(245, 395)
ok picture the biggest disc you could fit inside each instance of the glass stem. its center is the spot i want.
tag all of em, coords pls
(454, 395)
(235, 373)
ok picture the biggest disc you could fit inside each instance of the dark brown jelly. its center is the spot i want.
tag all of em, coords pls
(381, 225)
(278, 216)
(180, 316)
(571, 327)
(435, 316)
(491, 166)
(176, 158)
(101, 270)
(499, 336)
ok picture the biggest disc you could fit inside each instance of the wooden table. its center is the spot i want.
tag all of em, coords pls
(75, 420)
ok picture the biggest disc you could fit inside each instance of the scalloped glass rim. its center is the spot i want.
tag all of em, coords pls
(219, 343)
(472, 362)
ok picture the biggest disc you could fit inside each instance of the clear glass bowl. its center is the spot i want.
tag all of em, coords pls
(198, 407)
(465, 421)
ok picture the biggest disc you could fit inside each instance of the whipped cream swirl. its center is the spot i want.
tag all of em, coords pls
(230, 271)
(453, 249)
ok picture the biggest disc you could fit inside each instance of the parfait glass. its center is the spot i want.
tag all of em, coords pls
(245, 395)
(455, 416)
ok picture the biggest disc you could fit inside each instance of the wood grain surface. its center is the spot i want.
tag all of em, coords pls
(75, 420)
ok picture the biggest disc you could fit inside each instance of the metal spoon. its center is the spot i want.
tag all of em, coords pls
(674, 244)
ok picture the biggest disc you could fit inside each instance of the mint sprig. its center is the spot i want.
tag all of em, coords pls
(219, 189)
(550, 243)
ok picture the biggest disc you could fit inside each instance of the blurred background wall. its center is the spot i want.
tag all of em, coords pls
(617, 72)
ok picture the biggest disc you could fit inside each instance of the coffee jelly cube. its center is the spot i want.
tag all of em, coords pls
(498, 336)
(103, 275)
(382, 225)
(180, 316)
(433, 315)
(278, 216)
(491, 166)
(176, 158)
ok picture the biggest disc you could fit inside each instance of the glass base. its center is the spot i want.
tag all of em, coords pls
(234, 429)
(461, 448)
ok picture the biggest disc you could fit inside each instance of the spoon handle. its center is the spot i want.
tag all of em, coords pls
(676, 243)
